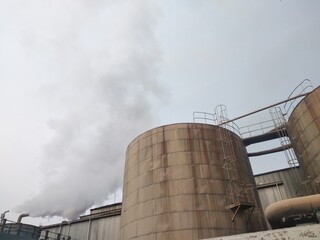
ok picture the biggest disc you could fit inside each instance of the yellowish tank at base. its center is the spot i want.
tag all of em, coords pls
(177, 186)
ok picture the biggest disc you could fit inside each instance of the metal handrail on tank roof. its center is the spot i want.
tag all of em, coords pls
(300, 89)
(204, 116)
(233, 127)
(197, 115)
(221, 119)
(210, 118)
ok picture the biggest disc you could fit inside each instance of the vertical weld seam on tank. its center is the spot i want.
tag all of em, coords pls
(194, 177)
(164, 149)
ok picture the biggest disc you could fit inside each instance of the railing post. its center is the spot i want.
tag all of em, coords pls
(3, 224)
(46, 235)
(33, 232)
(19, 229)
(10, 225)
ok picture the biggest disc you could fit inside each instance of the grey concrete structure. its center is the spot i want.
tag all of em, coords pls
(296, 233)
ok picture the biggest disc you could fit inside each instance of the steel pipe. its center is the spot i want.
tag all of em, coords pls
(289, 207)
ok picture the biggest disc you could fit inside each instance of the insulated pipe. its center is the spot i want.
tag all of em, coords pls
(293, 206)
(22, 216)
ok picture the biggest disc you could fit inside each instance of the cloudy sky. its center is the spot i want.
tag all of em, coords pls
(79, 79)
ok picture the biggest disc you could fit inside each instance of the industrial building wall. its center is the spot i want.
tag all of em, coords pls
(91, 229)
(279, 185)
(106, 228)
(273, 186)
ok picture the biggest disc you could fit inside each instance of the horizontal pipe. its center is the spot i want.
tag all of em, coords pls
(262, 109)
(289, 207)
(272, 184)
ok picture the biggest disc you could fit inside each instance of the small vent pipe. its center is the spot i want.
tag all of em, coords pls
(22, 216)
(293, 206)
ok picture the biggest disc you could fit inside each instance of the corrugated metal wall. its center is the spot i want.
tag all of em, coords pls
(279, 185)
(92, 229)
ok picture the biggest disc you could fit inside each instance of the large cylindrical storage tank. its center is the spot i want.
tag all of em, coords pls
(176, 185)
(304, 132)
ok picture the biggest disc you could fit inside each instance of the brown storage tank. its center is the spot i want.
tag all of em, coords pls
(304, 132)
(179, 183)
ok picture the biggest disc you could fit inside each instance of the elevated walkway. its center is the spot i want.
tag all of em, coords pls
(271, 135)
(269, 151)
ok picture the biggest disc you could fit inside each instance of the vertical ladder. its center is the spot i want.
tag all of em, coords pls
(279, 121)
(229, 159)
(239, 195)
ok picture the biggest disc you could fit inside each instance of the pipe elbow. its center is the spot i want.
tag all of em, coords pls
(293, 206)
(22, 216)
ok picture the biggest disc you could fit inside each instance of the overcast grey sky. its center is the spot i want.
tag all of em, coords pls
(80, 79)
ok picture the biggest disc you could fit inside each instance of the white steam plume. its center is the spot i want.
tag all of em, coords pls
(96, 65)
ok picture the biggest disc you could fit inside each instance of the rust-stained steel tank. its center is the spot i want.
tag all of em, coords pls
(188, 181)
(304, 132)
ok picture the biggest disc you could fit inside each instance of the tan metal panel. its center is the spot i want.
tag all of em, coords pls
(304, 132)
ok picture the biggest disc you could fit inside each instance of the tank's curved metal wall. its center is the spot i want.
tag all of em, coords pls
(304, 131)
(175, 185)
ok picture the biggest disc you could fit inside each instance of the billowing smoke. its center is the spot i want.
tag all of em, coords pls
(97, 66)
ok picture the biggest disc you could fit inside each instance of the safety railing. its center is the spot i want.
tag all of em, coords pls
(233, 127)
(257, 128)
(214, 119)
(203, 117)
(304, 87)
